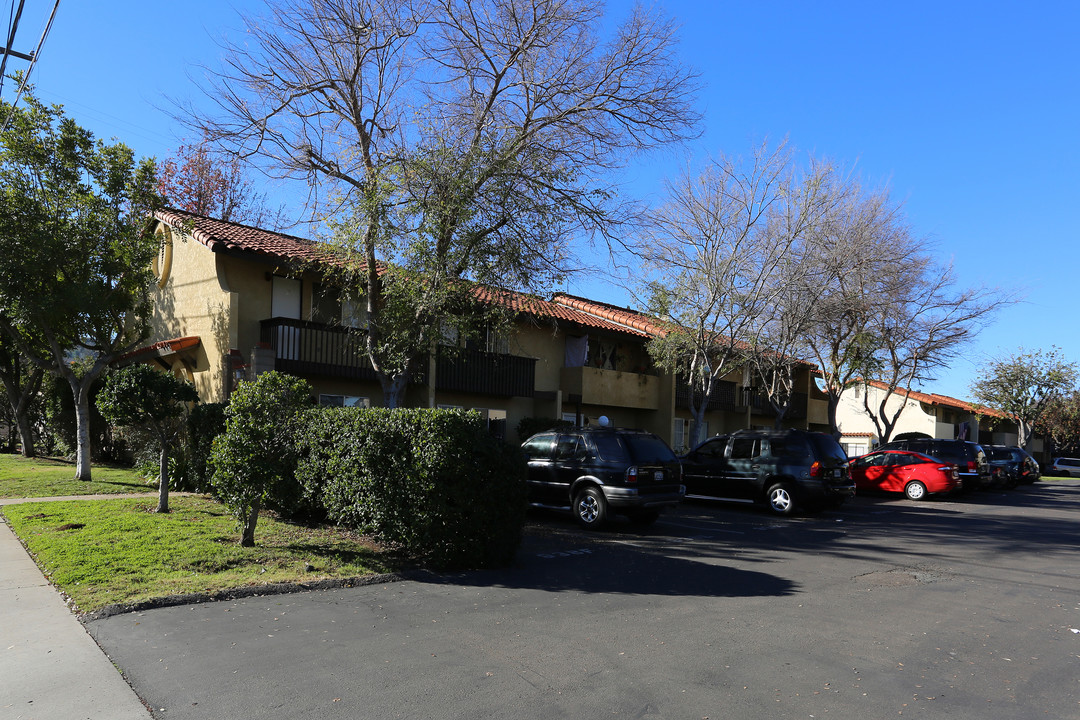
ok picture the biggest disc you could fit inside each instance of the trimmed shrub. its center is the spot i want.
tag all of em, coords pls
(434, 482)
(254, 459)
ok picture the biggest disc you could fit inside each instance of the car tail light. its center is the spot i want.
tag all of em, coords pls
(972, 466)
(631, 474)
(815, 469)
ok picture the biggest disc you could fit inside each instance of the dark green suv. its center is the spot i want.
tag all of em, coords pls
(784, 469)
(599, 471)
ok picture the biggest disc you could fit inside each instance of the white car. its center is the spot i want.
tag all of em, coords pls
(1065, 466)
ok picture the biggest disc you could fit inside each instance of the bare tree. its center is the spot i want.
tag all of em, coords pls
(918, 331)
(464, 139)
(712, 262)
(859, 256)
(776, 340)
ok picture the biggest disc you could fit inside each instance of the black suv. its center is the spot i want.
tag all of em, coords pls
(597, 471)
(785, 469)
(1012, 464)
(968, 457)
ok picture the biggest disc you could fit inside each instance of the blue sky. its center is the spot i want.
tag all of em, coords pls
(967, 111)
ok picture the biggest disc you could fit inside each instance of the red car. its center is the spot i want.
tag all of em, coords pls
(914, 474)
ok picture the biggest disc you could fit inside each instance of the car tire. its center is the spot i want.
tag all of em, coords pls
(915, 490)
(644, 518)
(780, 499)
(590, 508)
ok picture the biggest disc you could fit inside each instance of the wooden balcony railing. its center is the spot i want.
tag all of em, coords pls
(310, 348)
(475, 371)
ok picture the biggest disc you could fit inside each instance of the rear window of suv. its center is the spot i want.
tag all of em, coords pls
(648, 449)
(827, 448)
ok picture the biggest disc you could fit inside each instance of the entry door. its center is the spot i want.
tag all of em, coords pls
(285, 303)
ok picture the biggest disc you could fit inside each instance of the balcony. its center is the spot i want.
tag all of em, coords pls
(475, 371)
(614, 388)
(310, 348)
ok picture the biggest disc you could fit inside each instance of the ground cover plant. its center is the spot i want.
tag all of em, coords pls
(106, 552)
(47, 477)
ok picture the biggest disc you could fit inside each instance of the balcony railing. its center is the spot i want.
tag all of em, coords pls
(475, 371)
(310, 348)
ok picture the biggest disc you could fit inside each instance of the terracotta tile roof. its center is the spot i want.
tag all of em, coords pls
(221, 235)
(631, 319)
(553, 310)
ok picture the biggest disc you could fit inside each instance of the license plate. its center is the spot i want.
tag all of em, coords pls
(658, 476)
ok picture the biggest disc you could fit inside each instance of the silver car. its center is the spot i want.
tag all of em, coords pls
(1064, 466)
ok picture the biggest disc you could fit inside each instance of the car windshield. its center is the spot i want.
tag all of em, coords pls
(647, 449)
(1000, 453)
(827, 448)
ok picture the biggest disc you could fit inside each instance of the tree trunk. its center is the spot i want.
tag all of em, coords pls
(26, 434)
(834, 403)
(393, 390)
(163, 479)
(1025, 434)
(247, 539)
(81, 391)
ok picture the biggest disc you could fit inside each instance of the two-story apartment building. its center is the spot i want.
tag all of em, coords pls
(928, 414)
(233, 300)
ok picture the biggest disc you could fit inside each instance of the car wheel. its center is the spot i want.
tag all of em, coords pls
(590, 507)
(915, 490)
(644, 517)
(781, 499)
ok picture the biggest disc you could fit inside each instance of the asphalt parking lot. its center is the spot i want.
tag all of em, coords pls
(964, 608)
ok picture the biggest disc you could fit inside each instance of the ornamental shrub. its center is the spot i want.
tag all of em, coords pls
(254, 459)
(434, 482)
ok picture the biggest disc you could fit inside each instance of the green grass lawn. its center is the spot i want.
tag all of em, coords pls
(49, 477)
(103, 552)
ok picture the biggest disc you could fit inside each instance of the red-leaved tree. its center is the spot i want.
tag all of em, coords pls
(200, 181)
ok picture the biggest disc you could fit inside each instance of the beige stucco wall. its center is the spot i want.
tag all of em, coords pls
(194, 300)
(852, 418)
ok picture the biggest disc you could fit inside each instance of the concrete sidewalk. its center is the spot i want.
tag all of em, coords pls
(50, 667)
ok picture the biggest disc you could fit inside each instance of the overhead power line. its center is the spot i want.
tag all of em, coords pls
(33, 60)
(10, 42)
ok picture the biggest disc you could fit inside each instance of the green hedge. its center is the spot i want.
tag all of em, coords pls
(205, 422)
(434, 482)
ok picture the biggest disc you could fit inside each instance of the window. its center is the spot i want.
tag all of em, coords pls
(496, 342)
(571, 447)
(680, 434)
(854, 449)
(745, 448)
(344, 401)
(714, 448)
(791, 447)
(540, 447)
(681, 439)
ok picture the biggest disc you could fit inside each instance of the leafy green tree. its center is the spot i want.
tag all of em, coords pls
(75, 249)
(143, 396)
(256, 453)
(1061, 423)
(22, 381)
(1023, 386)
